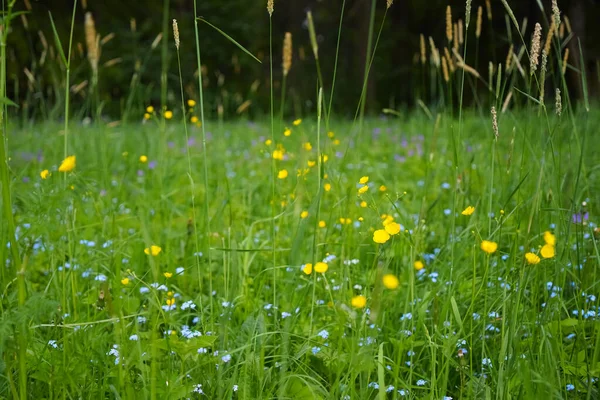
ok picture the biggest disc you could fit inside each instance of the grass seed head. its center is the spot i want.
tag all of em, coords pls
(270, 7)
(479, 22)
(534, 54)
(91, 41)
(558, 104)
(287, 53)
(176, 33)
(495, 122)
(449, 23)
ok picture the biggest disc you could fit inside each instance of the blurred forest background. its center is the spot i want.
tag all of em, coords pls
(128, 36)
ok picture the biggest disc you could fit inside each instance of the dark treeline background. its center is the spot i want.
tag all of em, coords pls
(232, 78)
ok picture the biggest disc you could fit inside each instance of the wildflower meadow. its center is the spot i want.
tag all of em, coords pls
(447, 250)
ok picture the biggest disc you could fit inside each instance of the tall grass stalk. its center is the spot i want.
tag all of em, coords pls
(368, 62)
(335, 65)
(273, 166)
(189, 162)
(7, 203)
(206, 177)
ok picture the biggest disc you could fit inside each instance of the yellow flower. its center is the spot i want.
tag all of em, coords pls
(125, 281)
(311, 163)
(532, 258)
(419, 265)
(359, 301)
(170, 302)
(168, 274)
(194, 119)
(68, 164)
(143, 159)
(363, 204)
(45, 174)
(392, 228)
(548, 251)
(468, 211)
(307, 146)
(307, 269)
(268, 142)
(153, 250)
(287, 132)
(168, 114)
(330, 134)
(322, 224)
(363, 180)
(549, 238)
(336, 142)
(489, 246)
(324, 158)
(278, 154)
(380, 236)
(304, 214)
(297, 122)
(321, 267)
(327, 187)
(363, 189)
(149, 109)
(388, 220)
(390, 281)
(191, 103)
(382, 188)
(282, 174)
(146, 116)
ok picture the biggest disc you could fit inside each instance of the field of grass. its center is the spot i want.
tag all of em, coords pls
(450, 252)
(211, 316)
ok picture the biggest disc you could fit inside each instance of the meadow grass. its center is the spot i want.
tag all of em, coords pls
(96, 304)
(447, 253)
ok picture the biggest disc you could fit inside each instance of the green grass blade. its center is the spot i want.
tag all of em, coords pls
(232, 40)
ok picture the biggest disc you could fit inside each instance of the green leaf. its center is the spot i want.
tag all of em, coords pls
(57, 39)
(456, 313)
(228, 37)
(8, 102)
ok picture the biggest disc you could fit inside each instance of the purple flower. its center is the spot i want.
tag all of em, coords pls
(152, 165)
(140, 172)
(191, 141)
(578, 218)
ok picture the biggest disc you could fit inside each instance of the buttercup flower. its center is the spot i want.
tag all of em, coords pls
(45, 174)
(322, 224)
(549, 238)
(304, 214)
(68, 164)
(307, 269)
(168, 274)
(149, 109)
(143, 159)
(125, 281)
(381, 236)
(468, 211)
(152, 250)
(321, 267)
(390, 281)
(282, 174)
(392, 228)
(287, 132)
(168, 114)
(532, 258)
(489, 246)
(191, 103)
(363, 189)
(548, 251)
(419, 265)
(359, 301)
(297, 122)
(364, 180)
